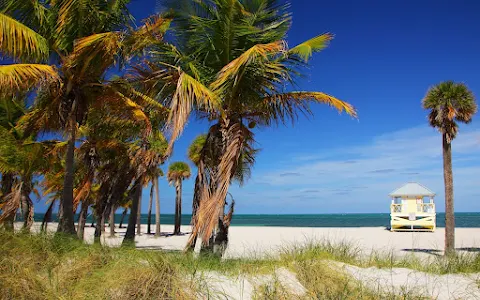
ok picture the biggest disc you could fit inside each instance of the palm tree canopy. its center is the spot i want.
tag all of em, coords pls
(449, 102)
(230, 57)
(195, 148)
(178, 170)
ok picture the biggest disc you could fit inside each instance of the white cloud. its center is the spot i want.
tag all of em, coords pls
(358, 179)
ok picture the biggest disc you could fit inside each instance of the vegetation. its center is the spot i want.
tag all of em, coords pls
(177, 172)
(43, 266)
(449, 103)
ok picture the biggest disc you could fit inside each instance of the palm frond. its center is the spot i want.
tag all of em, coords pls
(449, 102)
(149, 101)
(305, 49)
(32, 13)
(24, 76)
(12, 203)
(283, 106)
(195, 148)
(21, 42)
(189, 92)
(150, 33)
(96, 52)
(232, 70)
(136, 112)
(178, 170)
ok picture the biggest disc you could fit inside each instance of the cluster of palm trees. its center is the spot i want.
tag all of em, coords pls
(92, 104)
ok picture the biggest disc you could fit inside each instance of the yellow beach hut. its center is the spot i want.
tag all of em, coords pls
(412, 208)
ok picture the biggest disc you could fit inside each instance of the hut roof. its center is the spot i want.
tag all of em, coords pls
(412, 189)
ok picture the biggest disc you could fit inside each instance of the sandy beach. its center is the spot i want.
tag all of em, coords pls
(261, 241)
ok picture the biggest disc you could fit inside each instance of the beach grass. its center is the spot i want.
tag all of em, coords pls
(46, 267)
(350, 253)
(40, 266)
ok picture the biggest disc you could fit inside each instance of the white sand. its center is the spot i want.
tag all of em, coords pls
(398, 280)
(258, 241)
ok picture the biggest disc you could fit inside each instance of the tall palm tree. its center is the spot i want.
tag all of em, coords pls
(153, 191)
(233, 66)
(177, 172)
(194, 155)
(146, 156)
(158, 231)
(449, 102)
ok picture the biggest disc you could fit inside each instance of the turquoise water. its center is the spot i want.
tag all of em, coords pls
(320, 220)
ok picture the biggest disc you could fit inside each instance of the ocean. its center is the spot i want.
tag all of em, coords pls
(311, 220)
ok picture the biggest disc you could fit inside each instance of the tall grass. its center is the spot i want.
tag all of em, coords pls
(350, 253)
(47, 267)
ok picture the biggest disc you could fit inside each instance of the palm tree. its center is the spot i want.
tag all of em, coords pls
(149, 215)
(233, 66)
(177, 172)
(158, 231)
(195, 155)
(11, 109)
(146, 156)
(153, 190)
(449, 103)
(21, 159)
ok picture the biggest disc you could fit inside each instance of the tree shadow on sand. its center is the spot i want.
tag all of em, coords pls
(435, 252)
(469, 249)
(158, 248)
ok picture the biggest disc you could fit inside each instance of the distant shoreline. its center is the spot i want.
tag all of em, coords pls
(363, 220)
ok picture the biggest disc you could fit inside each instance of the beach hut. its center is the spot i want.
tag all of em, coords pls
(412, 208)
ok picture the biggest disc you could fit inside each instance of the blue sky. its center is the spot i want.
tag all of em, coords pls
(384, 57)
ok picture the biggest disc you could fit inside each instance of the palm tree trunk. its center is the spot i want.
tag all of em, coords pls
(149, 217)
(157, 208)
(132, 219)
(106, 214)
(66, 223)
(449, 211)
(100, 212)
(98, 223)
(47, 217)
(221, 234)
(111, 221)
(82, 219)
(123, 217)
(195, 206)
(102, 225)
(139, 215)
(7, 184)
(178, 206)
(27, 210)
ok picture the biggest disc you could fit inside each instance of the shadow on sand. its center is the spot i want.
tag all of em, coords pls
(435, 252)
(469, 249)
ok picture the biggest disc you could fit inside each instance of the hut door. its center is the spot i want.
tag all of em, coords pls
(404, 205)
